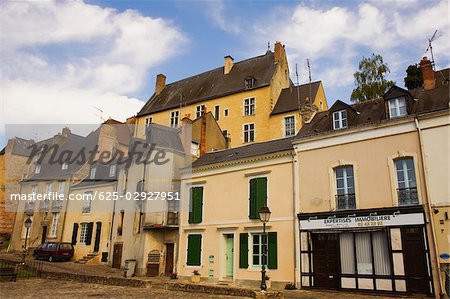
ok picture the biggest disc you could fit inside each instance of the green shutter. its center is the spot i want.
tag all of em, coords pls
(253, 213)
(194, 250)
(196, 205)
(243, 250)
(272, 251)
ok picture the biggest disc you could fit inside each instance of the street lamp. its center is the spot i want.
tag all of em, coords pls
(28, 223)
(264, 216)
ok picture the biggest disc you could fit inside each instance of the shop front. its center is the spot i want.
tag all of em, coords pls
(378, 250)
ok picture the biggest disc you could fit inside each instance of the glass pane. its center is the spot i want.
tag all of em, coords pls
(347, 253)
(381, 253)
(363, 253)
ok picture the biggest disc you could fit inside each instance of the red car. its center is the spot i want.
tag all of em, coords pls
(54, 251)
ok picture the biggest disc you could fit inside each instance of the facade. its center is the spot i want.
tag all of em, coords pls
(220, 231)
(252, 100)
(366, 225)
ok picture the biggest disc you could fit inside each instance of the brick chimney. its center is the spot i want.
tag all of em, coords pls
(203, 135)
(160, 83)
(228, 64)
(279, 51)
(429, 78)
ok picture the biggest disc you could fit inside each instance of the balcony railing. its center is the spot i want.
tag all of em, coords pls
(172, 218)
(346, 201)
(407, 196)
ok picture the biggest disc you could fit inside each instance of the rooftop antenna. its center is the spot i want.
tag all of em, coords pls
(297, 87)
(309, 70)
(99, 115)
(268, 46)
(430, 47)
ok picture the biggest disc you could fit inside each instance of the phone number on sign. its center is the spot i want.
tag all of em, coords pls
(170, 195)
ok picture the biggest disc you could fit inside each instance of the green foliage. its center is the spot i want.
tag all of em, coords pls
(413, 77)
(370, 79)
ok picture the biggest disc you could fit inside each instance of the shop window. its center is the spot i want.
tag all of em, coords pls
(406, 182)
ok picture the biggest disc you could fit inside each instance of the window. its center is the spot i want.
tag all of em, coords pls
(406, 182)
(112, 170)
(54, 228)
(174, 116)
(340, 119)
(46, 201)
(87, 202)
(345, 188)
(249, 132)
(92, 173)
(61, 187)
(148, 122)
(289, 126)
(120, 226)
(65, 166)
(195, 149)
(397, 107)
(225, 133)
(249, 83)
(365, 253)
(258, 196)
(200, 110)
(225, 112)
(249, 106)
(194, 250)
(83, 233)
(257, 249)
(196, 205)
(37, 170)
(217, 112)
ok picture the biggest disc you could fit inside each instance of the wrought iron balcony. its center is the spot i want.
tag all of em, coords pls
(346, 201)
(407, 196)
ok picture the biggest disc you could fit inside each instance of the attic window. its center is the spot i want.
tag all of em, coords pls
(249, 83)
(339, 119)
(397, 107)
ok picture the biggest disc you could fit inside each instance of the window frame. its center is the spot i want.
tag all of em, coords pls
(406, 179)
(37, 170)
(92, 173)
(346, 187)
(112, 170)
(200, 110)
(395, 104)
(260, 246)
(87, 202)
(54, 225)
(201, 251)
(83, 232)
(174, 118)
(245, 132)
(65, 166)
(286, 124)
(249, 106)
(340, 117)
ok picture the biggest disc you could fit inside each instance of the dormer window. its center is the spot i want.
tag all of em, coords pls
(37, 170)
(339, 119)
(397, 107)
(65, 166)
(92, 174)
(249, 82)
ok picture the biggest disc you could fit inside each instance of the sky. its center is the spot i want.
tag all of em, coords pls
(61, 62)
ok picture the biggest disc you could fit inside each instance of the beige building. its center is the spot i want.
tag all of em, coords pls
(253, 100)
(220, 231)
(365, 224)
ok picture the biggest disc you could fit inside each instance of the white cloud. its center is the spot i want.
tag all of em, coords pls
(59, 59)
(216, 11)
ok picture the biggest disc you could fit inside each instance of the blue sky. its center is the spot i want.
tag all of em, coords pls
(61, 59)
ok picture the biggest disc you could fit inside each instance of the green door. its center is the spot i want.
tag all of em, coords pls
(230, 255)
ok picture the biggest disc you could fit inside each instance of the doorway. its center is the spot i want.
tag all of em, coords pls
(229, 255)
(117, 255)
(326, 261)
(168, 269)
(98, 232)
(44, 234)
(415, 260)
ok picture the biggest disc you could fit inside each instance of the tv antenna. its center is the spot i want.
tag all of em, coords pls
(297, 87)
(309, 70)
(430, 47)
(99, 115)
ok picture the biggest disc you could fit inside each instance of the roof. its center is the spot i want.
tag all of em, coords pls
(247, 151)
(212, 84)
(162, 137)
(373, 111)
(2, 152)
(102, 176)
(288, 99)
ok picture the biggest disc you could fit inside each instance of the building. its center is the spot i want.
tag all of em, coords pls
(252, 100)
(366, 223)
(220, 232)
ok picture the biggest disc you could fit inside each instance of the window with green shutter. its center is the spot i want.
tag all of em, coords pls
(272, 251)
(258, 196)
(243, 250)
(194, 250)
(196, 205)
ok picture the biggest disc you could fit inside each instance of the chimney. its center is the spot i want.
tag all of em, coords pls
(203, 135)
(160, 83)
(279, 51)
(228, 65)
(429, 78)
(65, 132)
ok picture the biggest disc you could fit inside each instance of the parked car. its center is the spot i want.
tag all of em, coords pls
(54, 251)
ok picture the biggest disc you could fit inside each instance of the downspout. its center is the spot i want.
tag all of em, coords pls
(433, 232)
(296, 224)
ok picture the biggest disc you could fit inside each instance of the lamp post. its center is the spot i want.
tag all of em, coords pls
(264, 216)
(28, 223)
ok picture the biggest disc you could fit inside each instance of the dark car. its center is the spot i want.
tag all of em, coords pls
(54, 251)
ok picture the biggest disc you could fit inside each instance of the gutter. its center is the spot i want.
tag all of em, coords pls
(429, 209)
(295, 177)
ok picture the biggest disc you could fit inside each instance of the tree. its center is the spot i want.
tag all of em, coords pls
(370, 79)
(413, 77)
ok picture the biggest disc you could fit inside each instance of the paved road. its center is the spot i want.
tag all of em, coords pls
(45, 288)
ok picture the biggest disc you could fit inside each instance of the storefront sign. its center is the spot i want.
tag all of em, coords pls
(362, 221)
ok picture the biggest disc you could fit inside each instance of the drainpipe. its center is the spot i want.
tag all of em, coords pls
(429, 212)
(296, 224)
